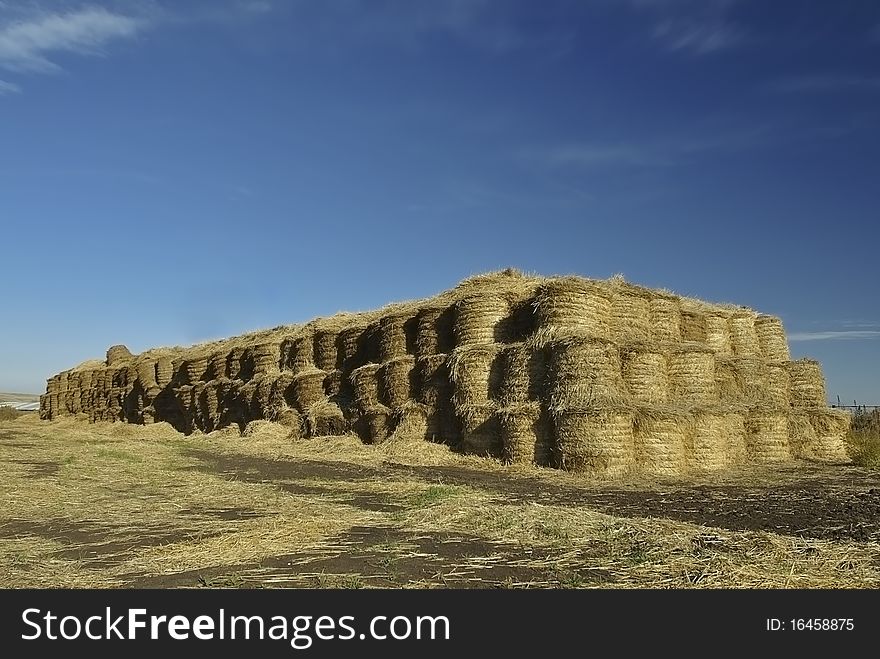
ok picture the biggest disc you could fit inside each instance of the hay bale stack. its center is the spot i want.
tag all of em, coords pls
(718, 333)
(392, 336)
(474, 371)
(283, 395)
(308, 388)
(442, 425)
(478, 316)
(324, 351)
(293, 421)
(645, 372)
(411, 421)
(365, 382)
(598, 441)
(480, 432)
(266, 357)
(767, 435)
(378, 421)
(523, 370)
(743, 336)
(583, 372)
(665, 318)
(325, 419)
(660, 437)
(118, 354)
(806, 383)
(630, 314)
(398, 381)
(573, 305)
(771, 338)
(434, 330)
(778, 385)
(692, 374)
(526, 434)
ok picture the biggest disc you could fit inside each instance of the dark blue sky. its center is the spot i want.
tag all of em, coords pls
(172, 172)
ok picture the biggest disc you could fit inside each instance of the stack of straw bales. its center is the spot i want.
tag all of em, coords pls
(600, 377)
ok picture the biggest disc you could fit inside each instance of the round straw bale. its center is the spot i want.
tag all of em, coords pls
(365, 382)
(526, 434)
(435, 387)
(478, 316)
(665, 317)
(572, 304)
(831, 428)
(442, 425)
(410, 421)
(196, 369)
(771, 338)
(521, 321)
(743, 337)
(710, 440)
(283, 395)
(645, 373)
(334, 383)
(480, 433)
(475, 374)
(293, 420)
(217, 367)
(184, 396)
(325, 419)
(266, 357)
(630, 314)
(301, 353)
(392, 336)
(324, 351)
(693, 325)
(660, 438)
(118, 354)
(735, 430)
(778, 386)
(263, 398)
(583, 372)
(753, 379)
(347, 347)
(379, 423)
(807, 384)
(523, 373)
(434, 330)
(718, 332)
(398, 380)
(233, 364)
(596, 441)
(767, 435)
(146, 374)
(308, 388)
(692, 374)
(726, 382)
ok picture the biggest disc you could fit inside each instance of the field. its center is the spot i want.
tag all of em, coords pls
(118, 505)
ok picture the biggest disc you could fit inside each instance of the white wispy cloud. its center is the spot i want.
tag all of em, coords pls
(26, 44)
(819, 84)
(696, 36)
(605, 154)
(8, 88)
(834, 335)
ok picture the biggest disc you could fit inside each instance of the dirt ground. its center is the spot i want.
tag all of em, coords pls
(120, 506)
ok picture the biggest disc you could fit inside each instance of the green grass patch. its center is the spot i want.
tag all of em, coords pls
(433, 494)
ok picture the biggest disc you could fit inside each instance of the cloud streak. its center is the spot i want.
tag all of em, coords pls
(697, 37)
(834, 335)
(8, 88)
(26, 45)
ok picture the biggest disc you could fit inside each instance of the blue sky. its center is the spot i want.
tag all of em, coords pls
(172, 172)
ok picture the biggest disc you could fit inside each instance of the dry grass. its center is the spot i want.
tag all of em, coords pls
(115, 505)
(863, 441)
